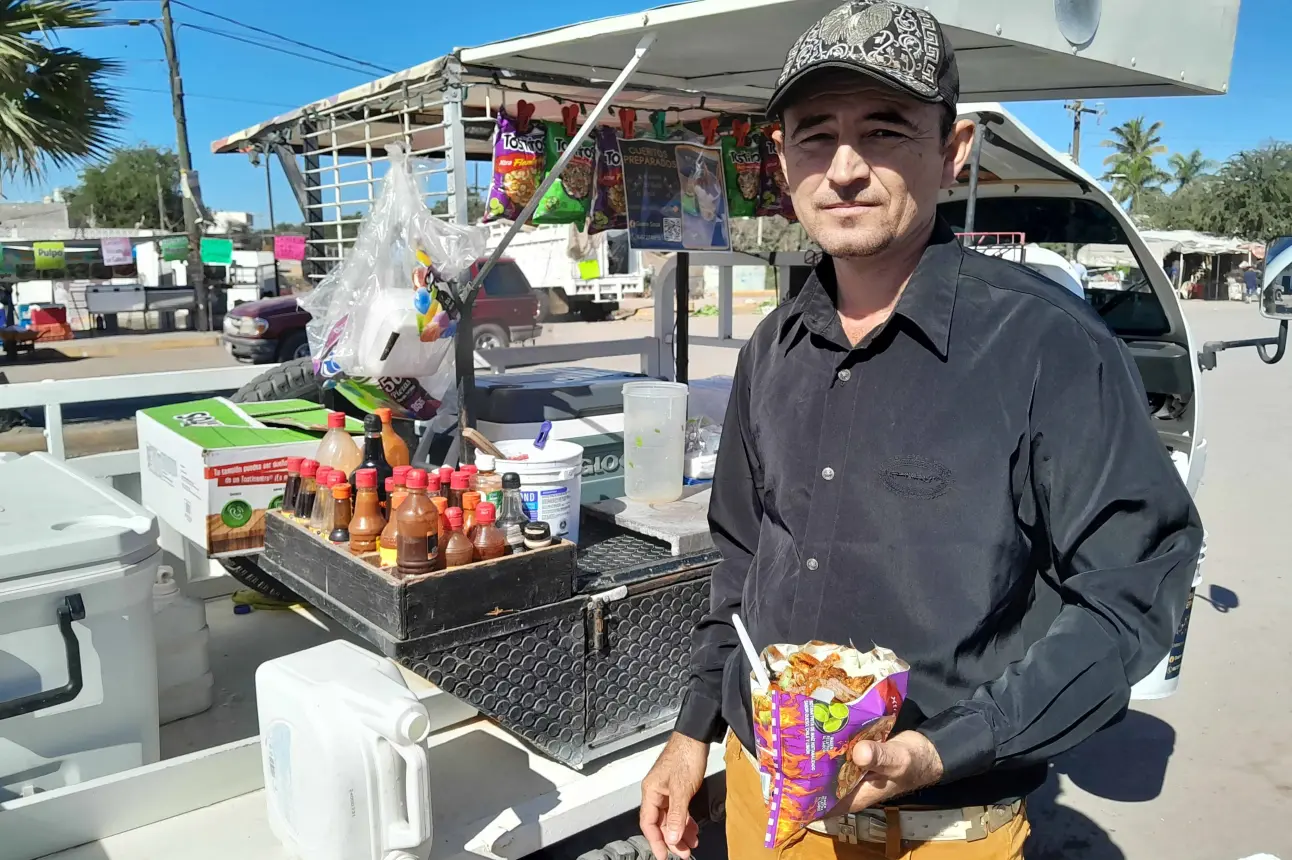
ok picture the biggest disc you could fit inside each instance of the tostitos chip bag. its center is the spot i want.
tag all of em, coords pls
(742, 163)
(775, 191)
(610, 206)
(823, 699)
(570, 197)
(518, 155)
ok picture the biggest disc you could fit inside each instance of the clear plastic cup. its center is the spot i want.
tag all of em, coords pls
(654, 440)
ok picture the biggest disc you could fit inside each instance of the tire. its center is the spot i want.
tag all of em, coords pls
(292, 380)
(491, 336)
(293, 347)
(552, 304)
(595, 312)
(249, 574)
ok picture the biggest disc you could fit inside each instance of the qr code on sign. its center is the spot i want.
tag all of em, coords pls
(672, 229)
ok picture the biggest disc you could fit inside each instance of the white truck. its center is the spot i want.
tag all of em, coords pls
(493, 795)
(575, 273)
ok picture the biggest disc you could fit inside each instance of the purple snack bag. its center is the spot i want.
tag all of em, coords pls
(823, 700)
(517, 164)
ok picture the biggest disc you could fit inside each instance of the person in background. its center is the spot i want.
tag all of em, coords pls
(6, 303)
(1251, 279)
(931, 450)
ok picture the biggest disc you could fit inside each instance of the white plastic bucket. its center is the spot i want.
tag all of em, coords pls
(1164, 680)
(551, 481)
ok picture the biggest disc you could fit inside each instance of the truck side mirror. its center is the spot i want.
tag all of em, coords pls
(1276, 280)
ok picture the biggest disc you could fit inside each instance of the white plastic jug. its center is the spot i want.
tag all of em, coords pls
(346, 773)
(184, 682)
(654, 440)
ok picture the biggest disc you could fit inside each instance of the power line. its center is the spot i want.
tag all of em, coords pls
(276, 48)
(283, 38)
(189, 95)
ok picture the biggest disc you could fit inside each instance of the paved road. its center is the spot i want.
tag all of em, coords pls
(1207, 774)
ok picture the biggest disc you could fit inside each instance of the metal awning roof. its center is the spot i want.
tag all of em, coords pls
(1008, 50)
(730, 51)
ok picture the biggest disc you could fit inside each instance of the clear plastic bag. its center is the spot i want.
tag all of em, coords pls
(388, 310)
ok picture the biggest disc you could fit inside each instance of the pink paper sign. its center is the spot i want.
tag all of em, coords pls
(289, 247)
(117, 251)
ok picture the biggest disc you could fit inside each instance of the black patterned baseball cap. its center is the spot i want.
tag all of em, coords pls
(889, 41)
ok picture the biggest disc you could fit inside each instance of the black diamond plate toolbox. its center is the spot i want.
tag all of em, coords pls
(579, 678)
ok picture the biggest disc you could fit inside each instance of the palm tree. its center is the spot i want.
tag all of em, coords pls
(1187, 168)
(1135, 180)
(55, 105)
(1132, 167)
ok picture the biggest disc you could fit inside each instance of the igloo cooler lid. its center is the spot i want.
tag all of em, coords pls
(54, 518)
(551, 395)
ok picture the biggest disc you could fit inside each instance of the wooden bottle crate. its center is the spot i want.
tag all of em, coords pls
(406, 608)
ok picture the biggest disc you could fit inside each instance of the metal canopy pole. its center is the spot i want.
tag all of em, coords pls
(681, 342)
(464, 352)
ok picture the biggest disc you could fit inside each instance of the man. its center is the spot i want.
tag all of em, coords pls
(1251, 280)
(930, 450)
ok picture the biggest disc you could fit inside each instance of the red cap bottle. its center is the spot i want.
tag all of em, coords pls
(415, 479)
(366, 478)
(433, 482)
(390, 485)
(455, 518)
(470, 469)
(309, 468)
(486, 512)
(336, 420)
(294, 464)
(446, 474)
(460, 481)
(401, 475)
(337, 477)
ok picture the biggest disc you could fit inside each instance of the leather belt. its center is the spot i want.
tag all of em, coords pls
(967, 824)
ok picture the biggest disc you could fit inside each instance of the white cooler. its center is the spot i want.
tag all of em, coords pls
(78, 669)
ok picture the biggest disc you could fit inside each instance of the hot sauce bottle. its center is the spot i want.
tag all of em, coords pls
(458, 549)
(470, 500)
(488, 541)
(339, 533)
(367, 522)
(418, 536)
(305, 497)
(293, 486)
(442, 536)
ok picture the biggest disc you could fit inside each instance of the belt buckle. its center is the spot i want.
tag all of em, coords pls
(979, 826)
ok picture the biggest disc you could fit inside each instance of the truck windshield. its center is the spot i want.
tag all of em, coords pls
(506, 281)
(1091, 240)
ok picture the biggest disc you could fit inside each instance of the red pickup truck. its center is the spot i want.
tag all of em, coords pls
(271, 330)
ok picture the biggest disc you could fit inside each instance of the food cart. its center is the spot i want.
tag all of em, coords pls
(616, 641)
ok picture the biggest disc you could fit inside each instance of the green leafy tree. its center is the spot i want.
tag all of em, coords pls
(1186, 169)
(122, 192)
(56, 107)
(1132, 167)
(1253, 195)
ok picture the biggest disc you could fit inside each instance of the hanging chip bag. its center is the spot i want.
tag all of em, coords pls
(610, 208)
(568, 199)
(823, 700)
(742, 161)
(518, 154)
(774, 198)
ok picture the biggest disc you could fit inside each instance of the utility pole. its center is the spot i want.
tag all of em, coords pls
(1078, 108)
(161, 206)
(273, 225)
(192, 224)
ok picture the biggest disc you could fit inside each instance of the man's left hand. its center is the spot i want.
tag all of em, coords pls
(902, 764)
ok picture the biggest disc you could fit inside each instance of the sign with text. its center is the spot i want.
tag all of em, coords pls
(174, 248)
(217, 252)
(49, 255)
(289, 248)
(117, 251)
(676, 196)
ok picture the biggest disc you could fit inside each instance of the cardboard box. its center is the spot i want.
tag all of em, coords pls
(211, 468)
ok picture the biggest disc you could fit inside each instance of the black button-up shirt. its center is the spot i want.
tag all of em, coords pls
(978, 486)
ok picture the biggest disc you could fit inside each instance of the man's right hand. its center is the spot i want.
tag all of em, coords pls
(666, 793)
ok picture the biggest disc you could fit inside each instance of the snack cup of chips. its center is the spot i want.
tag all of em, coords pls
(823, 699)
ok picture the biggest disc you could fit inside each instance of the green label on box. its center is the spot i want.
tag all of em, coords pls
(236, 514)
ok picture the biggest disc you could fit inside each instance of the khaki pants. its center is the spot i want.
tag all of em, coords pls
(747, 824)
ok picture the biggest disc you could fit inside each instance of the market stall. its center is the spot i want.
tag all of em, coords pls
(619, 638)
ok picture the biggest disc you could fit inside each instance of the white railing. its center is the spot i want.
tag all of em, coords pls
(52, 394)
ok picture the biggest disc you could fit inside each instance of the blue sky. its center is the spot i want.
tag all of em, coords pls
(233, 85)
